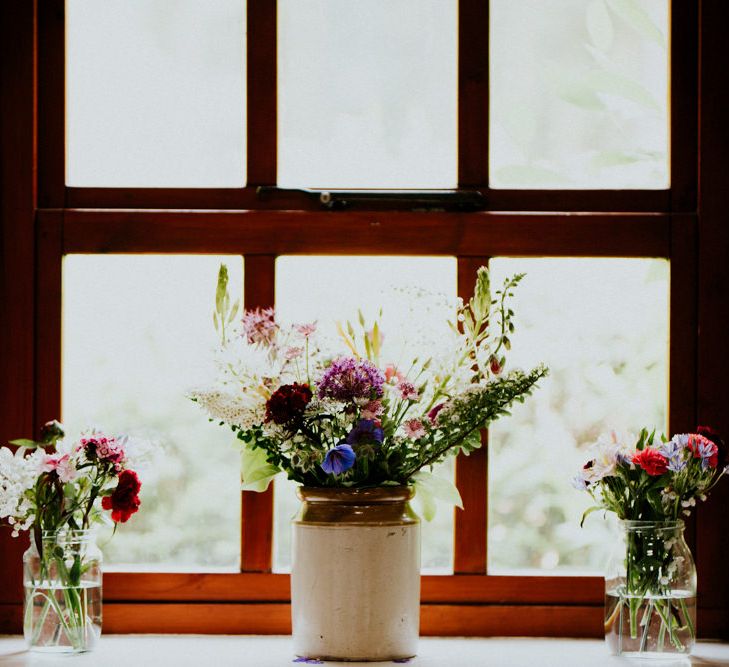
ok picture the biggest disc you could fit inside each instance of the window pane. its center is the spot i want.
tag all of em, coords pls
(155, 93)
(367, 93)
(331, 289)
(601, 325)
(579, 94)
(137, 334)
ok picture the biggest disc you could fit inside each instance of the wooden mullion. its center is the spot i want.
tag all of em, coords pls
(51, 103)
(684, 100)
(286, 232)
(682, 402)
(471, 471)
(257, 508)
(473, 93)
(47, 382)
(261, 98)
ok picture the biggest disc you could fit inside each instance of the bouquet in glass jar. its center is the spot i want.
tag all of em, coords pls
(351, 418)
(58, 493)
(650, 483)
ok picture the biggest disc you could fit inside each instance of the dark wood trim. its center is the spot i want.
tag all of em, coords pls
(621, 201)
(605, 201)
(713, 304)
(51, 103)
(17, 249)
(49, 287)
(469, 556)
(684, 99)
(261, 92)
(460, 234)
(268, 587)
(259, 289)
(473, 93)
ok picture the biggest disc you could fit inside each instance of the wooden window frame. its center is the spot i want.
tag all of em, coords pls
(43, 220)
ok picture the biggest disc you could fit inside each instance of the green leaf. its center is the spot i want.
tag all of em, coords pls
(610, 83)
(256, 471)
(430, 488)
(221, 290)
(599, 25)
(24, 442)
(638, 19)
(587, 513)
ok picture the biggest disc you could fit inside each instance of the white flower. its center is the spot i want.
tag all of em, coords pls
(243, 409)
(18, 474)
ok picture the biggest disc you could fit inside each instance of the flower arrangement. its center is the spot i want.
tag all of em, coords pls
(58, 493)
(349, 418)
(651, 478)
(650, 483)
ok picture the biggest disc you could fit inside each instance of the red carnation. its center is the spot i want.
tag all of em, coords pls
(287, 403)
(651, 461)
(722, 455)
(124, 501)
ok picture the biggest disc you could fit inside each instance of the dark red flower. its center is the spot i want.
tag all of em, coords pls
(124, 501)
(651, 461)
(287, 403)
(722, 458)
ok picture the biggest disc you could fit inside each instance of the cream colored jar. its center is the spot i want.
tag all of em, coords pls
(355, 576)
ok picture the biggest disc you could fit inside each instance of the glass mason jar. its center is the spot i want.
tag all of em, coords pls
(62, 580)
(355, 574)
(650, 592)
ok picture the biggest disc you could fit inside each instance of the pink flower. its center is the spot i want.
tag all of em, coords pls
(433, 414)
(306, 329)
(99, 446)
(392, 372)
(407, 391)
(293, 352)
(259, 326)
(414, 429)
(372, 410)
(64, 466)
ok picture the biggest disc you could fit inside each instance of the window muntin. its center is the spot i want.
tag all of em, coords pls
(137, 333)
(601, 325)
(579, 94)
(416, 295)
(155, 93)
(367, 93)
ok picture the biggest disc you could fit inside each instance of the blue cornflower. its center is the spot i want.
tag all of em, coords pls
(366, 431)
(339, 459)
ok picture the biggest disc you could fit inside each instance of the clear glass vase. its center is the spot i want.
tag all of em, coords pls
(62, 580)
(650, 592)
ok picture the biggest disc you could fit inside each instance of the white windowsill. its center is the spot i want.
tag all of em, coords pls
(249, 651)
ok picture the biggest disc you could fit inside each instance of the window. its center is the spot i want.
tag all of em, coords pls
(175, 187)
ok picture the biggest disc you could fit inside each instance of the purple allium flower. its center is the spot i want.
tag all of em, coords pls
(259, 326)
(339, 459)
(407, 391)
(348, 379)
(366, 431)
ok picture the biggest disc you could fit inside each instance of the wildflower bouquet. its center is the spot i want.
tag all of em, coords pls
(58, 496)
(351, 419)
(650, 483)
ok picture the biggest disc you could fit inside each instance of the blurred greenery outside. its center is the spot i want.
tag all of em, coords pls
(579, 94)
(138, 332)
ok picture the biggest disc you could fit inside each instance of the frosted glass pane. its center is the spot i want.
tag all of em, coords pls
(155, 93)
(367, 93)
(601, 325)
(331, 289)
(137, 335)
(579, 94)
